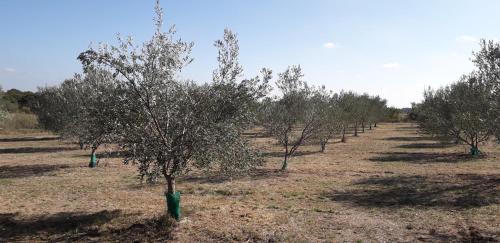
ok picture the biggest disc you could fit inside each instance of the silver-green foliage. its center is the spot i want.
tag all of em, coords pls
(292, 118)
(169, 125)
(461, 111)
(84, 108)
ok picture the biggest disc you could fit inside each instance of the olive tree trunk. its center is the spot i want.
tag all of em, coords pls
(323, 146)
(343, 135)
(173, 198)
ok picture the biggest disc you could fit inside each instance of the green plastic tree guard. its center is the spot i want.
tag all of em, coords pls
(93, 161)
(474, 151)
(173, 204)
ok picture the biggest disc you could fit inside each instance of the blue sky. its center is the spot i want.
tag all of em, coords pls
(392, 48)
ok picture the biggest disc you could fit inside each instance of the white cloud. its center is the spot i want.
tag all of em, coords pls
(9, 70)
(330, 45)
(467, 39)
(391, 65)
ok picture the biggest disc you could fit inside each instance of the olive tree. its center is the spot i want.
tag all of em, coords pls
(487, 61)
(347, 102)
(460, 111)
(327, 109)
(82, 108)
(468, 110)
(57, 107)
(378, 111)
(292, 118)
(99, 110)
(171, 125)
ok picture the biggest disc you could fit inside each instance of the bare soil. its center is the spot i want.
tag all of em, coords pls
(390, 184)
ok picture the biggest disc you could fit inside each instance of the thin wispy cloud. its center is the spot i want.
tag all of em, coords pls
(9, 70)
(467, 39)
(330, 45)
(391, 65)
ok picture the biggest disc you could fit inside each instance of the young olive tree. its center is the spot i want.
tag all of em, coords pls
(377, 111)
(363, 109)
(171, 126)
(327, 109)
(487, 61)
(292, 119)
(83, 108)
(460, 111)
(100, 99)
(347, 102)
(57, 108)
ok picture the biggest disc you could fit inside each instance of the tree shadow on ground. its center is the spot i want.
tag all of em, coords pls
(408, 139)
(459, 191)
(470, 235)
(407, 127)
(257, 134)
(425, 145)
(157, 229)
(104, 155)
(22, 150)
(66, 222)
(21, 171)
(83, 227)
(423, 158)
(280, 154)
(257, 174)
(29, 139)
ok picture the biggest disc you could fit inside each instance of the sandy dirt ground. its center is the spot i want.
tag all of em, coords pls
(389, 184)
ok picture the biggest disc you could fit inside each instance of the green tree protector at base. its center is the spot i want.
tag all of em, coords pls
(174, 204)
(474, 151)
(93, 160)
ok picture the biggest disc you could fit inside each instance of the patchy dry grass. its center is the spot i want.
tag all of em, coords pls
(389, 184)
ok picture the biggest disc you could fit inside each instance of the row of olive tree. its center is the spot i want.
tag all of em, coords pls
(303, 113)
(467, 111)
(132, 96)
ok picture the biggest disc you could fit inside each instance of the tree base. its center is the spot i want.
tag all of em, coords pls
(174, 204)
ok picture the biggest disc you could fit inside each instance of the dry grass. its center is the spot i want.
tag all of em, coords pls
(18, 121)
(389, 184)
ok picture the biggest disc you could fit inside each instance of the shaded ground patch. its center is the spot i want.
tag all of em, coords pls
(281, 154)
(83, 227)
(256, 134)
(104, 155)
(157, 229)
(460, 191)
(423, 157)
(22, 150)
(12, 227)
(20, 171)
(470, 234)
(425, 145)
(28, 139)
(257, 174)
(408, 139)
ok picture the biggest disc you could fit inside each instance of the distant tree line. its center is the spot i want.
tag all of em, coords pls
(14, 100)
(16, 109)
(132, 96)
(467, 111)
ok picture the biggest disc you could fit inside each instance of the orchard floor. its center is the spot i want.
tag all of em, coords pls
(388, 185)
